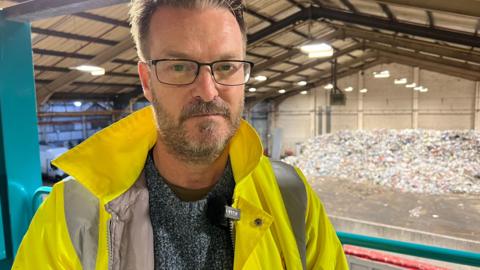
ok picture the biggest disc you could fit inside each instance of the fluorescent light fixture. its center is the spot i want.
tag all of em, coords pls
(77, 103)
(260, 78)
(328, 86)
(302, 83)
(400, 81)
(320, 54)
(412, 85)
(348, 89)
(363, 90)
(282, 91)
(381, 74)
(304, 92)
(94, 70)
(98, 72)
(424, 90)
(252, 89)
(317, 50)
(315, 47)
(418, 88)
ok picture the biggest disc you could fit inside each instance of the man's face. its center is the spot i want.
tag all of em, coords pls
(195, 121)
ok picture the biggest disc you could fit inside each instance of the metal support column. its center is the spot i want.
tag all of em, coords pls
(476, 113)
(361, 85)
(320, 120)
(416, 80)
(19, 150)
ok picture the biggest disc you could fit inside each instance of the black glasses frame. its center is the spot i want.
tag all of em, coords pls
(153, 63)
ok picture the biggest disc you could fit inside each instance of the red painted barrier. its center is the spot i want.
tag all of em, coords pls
(386, 258)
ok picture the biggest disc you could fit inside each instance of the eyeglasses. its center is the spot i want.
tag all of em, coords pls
(184, 71)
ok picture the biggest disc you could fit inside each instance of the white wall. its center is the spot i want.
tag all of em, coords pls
(450, 103)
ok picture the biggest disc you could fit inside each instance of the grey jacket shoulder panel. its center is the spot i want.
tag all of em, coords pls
(82, 219)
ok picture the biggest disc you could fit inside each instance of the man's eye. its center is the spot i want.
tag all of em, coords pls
(225, 67)
(178, 67)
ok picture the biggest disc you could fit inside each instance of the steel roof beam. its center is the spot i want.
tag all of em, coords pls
(65, 70)
(307, 66)
(448, 64)
(280, 98)
(41, 9)
(66, 35)
(440, 66)
(387, 12)
(431, 20)
(97, 84)
(79, 56)
(265, 95)
(349, 5)
(463, 7)
(282, 57)
(98, 18)
(417, 45)
(270, 20)
(44, 93)
(369, 21)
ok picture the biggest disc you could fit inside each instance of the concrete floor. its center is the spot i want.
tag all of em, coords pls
(456, 215)
(449, 215)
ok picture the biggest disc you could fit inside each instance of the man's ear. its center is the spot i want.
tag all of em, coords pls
(144, 74)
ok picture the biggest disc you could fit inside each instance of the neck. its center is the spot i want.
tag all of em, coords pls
(188, 175)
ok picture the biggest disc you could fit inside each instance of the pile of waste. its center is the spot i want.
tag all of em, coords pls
(412, 160)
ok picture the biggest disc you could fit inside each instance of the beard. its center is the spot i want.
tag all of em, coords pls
(206, 140)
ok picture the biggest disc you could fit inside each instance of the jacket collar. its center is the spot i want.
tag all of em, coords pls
(109, 162)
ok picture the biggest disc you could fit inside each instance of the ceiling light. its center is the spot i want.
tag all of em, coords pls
(381, 74)
(349, 89)
(423, 90)
(317, 50)
(315, 47)
(77, 103)
(363, 90)
(302, 83)
(252, 89)
(418, 88)
(321, 54)
(94, 70)
(328, 86)
(412, 85)
(260, 78)
(400, 81)
(282, 91)
(99, 72)
(304, 92)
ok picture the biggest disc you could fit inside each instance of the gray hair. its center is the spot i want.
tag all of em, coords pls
(141, 12)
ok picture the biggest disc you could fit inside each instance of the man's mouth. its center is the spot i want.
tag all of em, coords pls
(207, 114)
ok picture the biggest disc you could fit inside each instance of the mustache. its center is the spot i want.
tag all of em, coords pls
(201, 108)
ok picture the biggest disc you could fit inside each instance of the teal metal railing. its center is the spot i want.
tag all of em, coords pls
(38, 196)
(418, 250)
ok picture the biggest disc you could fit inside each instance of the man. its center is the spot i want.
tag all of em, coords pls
(141, 191)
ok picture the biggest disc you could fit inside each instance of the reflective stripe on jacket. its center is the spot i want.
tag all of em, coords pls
(98, 218)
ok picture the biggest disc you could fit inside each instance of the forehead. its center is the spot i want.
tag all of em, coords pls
(201, 33)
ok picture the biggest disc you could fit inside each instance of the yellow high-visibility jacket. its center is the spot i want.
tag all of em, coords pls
(98, 217)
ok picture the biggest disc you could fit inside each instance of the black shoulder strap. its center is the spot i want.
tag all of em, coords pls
(295, 199)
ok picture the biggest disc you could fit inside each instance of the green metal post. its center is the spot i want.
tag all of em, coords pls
(19, 151)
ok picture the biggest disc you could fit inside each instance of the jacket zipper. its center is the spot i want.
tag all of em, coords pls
(110, 246)
(231, 225)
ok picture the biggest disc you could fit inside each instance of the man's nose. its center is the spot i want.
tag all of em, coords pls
(205, 85)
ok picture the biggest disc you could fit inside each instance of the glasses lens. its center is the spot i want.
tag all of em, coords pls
(176, 71)
(231, 72)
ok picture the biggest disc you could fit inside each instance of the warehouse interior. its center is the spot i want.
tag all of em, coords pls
(393, 68)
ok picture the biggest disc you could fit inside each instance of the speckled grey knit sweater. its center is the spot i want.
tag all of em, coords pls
(183, 236)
